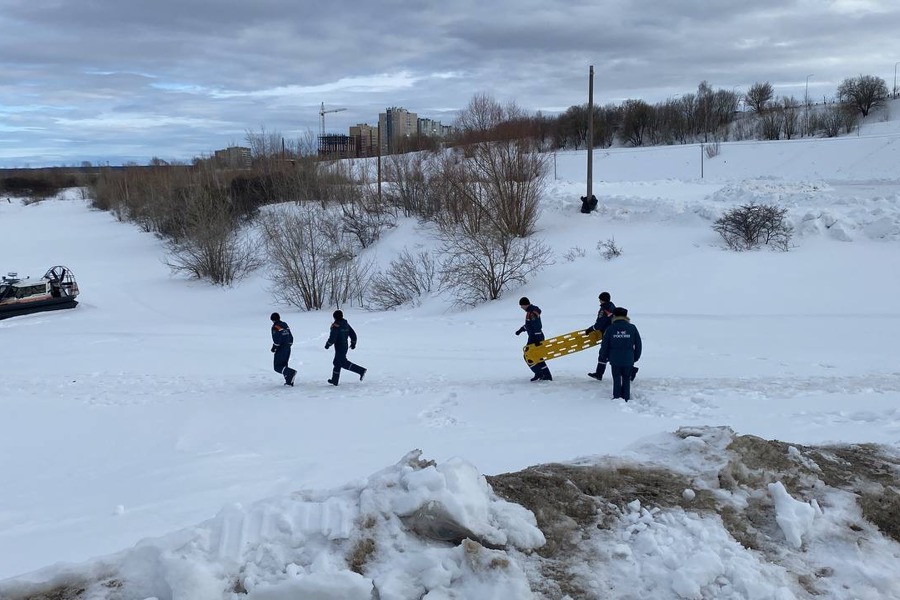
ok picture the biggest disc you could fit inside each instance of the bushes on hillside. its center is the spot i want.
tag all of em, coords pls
(408, 278)
(750, 226)
(210, 244)
(310, 263)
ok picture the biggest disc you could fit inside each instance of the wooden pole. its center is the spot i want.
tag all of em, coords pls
(590, 135)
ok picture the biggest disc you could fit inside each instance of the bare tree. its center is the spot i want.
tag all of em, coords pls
(790, 122)
(266, 147)
(480, 265)
(759, 96)
(837, 118)
(865, 92)
(309, 262)
(669, 124)
(771, 123)
(500, 177)
(637, 117)
(212, 245)
(689, 112)
(364, 221)
(407, 279)
(410, 177)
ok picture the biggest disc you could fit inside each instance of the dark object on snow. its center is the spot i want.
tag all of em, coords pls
(56, 290)
(588, 204)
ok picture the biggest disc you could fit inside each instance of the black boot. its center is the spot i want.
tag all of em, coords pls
(289, 376)
(546, 376)
(335, 377)
(601, 369)
(358, 370)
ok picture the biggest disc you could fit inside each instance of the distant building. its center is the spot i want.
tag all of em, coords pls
(432, 128)
(366, 138)
(337, 145)
(396, 124)
(233, 157)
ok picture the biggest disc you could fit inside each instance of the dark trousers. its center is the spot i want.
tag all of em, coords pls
(282, 356)
(540, 368)
(280, 362)
(340, 362)
(621, 381)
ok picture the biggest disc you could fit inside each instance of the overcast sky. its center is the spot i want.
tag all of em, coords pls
(122, 80)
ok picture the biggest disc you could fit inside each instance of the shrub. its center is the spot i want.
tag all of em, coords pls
(407, 279)
(480, 265)
(752, 225)
(211, 245)
(365, 222)
(574, 253)
(608, 249)
(499, 180)
(310, 262)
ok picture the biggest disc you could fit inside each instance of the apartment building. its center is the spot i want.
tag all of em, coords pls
(233, 157)
(396, 124)
(432, 128)
(366, 138)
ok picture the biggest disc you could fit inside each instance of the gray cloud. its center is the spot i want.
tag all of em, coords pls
(110, 80)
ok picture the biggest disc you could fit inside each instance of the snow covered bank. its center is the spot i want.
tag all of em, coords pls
(701, 513)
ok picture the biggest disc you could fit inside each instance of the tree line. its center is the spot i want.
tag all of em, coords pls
(710, 115)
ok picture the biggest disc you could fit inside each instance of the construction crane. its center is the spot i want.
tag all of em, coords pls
(323, 112)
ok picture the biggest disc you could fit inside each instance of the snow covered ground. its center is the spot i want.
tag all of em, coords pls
(152, 407)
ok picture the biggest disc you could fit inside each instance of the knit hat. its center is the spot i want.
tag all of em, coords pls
(523, 301)
(275, 317)
(620, 312)
(338, 314)
(604, 297)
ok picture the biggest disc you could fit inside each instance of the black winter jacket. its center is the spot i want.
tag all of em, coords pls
(281, 334)
(532, 324)
(604, 317)
(621, 345)
(340, 331)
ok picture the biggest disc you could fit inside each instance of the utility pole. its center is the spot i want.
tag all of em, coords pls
(590, 135)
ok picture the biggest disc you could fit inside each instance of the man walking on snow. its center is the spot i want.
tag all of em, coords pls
(535, 330)
(340, 332)
(281, 347)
